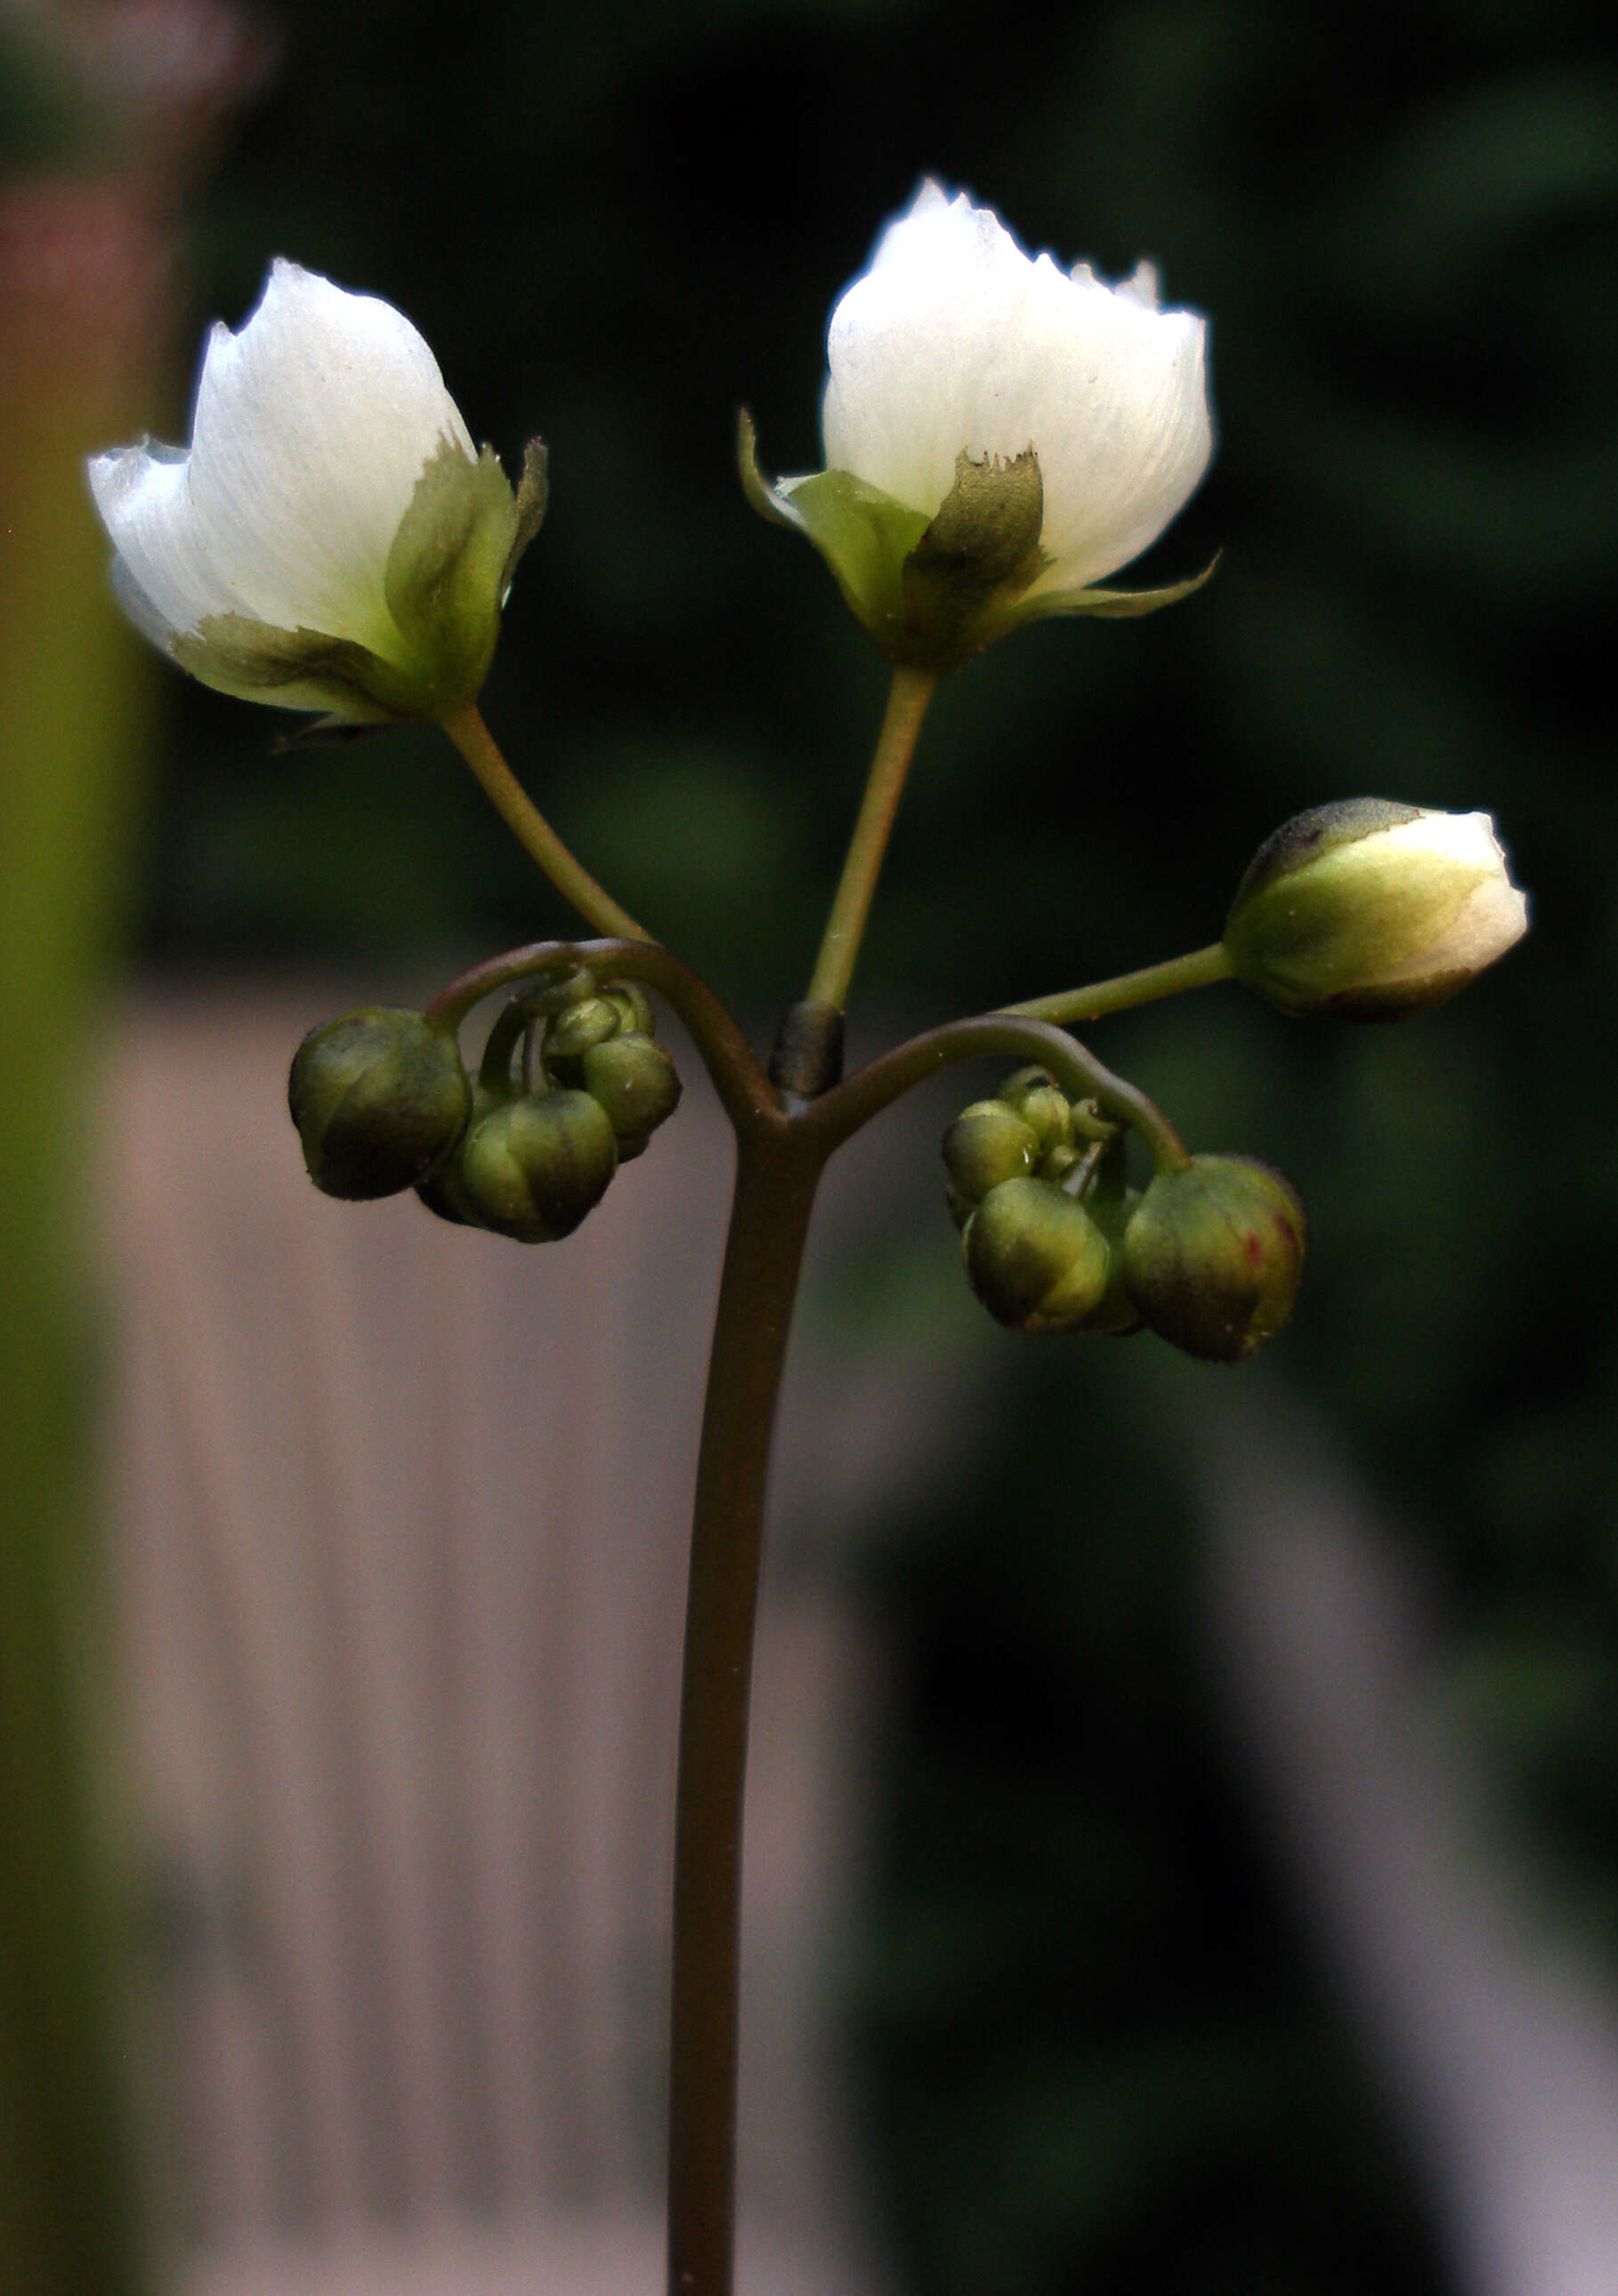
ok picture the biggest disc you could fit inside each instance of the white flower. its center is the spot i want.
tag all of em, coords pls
(954, 343)
(331, 538)
(1368, 910)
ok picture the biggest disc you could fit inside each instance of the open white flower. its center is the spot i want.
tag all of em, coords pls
(1369, 910)
(332, 539)
(999, 433)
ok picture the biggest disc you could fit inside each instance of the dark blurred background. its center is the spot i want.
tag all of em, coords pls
(1097, 2047)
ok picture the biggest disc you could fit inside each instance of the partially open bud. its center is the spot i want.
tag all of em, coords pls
(332, 539)
(637, 1084)
(379, 1098)
(1213, 1254)
(531, 1168)
(1035, 1257)
(1000, 432)
(987, 1144)
(1368, 910)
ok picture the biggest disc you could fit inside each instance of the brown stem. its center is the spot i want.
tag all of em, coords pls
(840, 1113)
(778, 1168)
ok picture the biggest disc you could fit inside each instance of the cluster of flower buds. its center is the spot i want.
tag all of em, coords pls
(1055, 1240)
(382, 1103)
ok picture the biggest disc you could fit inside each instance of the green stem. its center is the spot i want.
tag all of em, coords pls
(777, 1171)
(840, 1113)
(908, 699)
(1129, 988)
(475, 743)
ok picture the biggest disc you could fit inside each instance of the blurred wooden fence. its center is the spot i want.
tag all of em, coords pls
(402, 1520)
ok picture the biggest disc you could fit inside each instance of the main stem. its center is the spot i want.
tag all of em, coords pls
(908, 699)
(777, 1172)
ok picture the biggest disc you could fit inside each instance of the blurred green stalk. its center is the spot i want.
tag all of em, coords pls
(70, 709)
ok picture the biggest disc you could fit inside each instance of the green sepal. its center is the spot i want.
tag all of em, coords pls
(1311, 835)
(445, 574)
(766, 499)
(865, 538)
(979, 554)
(1107, 605)
(443, 583)
(533, 500)
(984, 536)
(300, 669)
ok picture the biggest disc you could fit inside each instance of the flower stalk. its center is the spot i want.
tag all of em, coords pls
(1125, 990)
(477, 745)
(907, 698)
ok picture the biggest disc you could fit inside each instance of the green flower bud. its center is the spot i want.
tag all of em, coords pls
(637, 1084)
(1115, 1314)
(1211, 1255)
(1368, 910)
(1035, 1257)
(531, 1168)
(576, 1028)
(379, 1098)
(987, 1144)
(1041, 1104)
(443, 1191)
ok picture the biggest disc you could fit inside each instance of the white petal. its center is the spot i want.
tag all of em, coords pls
(1119, 417)
(956, 339)
(909, 344)
(312, 427)
(1494, 918)
(1467, 838)
(1495, 913)
(165, 577)
(1142, 285)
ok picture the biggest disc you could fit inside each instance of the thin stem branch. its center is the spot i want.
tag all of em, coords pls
(738, 1077)
(530, 827)
(777, 1171)
(840, 1113)
(1127, 989)
(908, 699)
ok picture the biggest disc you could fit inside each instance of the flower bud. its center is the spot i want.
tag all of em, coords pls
(1115, 1314)
(379, 1098)
(1035, 1257)
(1211, 1255)
(1042, 1105)
(571, 1033)
(1369, 910)
(636, 1082)
(531, 1168)
(989, 1142)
